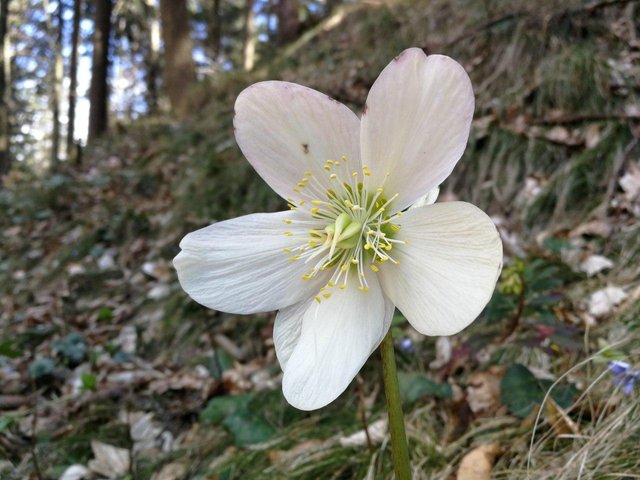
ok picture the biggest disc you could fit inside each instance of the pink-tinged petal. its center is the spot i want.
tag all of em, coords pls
(286, 130)
(448, 269)
(335, 339)
(416, 123)
(240, 266)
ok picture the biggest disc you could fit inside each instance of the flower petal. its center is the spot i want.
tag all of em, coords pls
(336, 338)
(416, 123)
(239, 265)
(287, 328)
(428, 199)
(448, 269)
(285, 130)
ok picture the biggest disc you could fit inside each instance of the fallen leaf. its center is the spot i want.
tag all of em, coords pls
(483, 391)
(598, 228)
(602, 302)
(377, 432)
(107, 261)
(560, 134)
(595, 264)
(171, 471)
(158, 292)
(144, 431)
(478, 463)
(630, 183)
(592, 136)
(443, 353)
(305, 447)
(184, 380)
(127, 339)
(109, 461)
(481, 125)
(559, 419)
(76, 472)
(532, 188)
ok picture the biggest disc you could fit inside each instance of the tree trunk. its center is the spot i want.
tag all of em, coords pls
(98, 90)
(288, 20)
(214, 31)
(5, 87)
(250, 37)
(179, 67)
(73, 80)
(152, 59)
(55, 27)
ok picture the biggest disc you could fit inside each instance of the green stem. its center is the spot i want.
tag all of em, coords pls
(399, 449)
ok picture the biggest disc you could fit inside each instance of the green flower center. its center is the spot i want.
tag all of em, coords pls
(346, 227)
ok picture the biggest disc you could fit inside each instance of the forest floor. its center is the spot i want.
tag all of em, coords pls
(109, 370)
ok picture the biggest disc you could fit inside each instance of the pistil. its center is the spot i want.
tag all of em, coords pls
(350, 227)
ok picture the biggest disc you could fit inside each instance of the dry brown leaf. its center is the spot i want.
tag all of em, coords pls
(183, 380)
(481, 125)
(592, 136)
(308, 446)
(559, 420)
(483, 391)
(478, 463)
(109, 461)
(559, 134)
(171, 471)
(630, 182)
(143, 429)
(598, 228)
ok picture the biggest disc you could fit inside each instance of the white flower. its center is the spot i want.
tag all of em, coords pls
(349, 249)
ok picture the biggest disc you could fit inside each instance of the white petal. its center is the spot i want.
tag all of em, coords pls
(285, 130)
(239, 265)
(447, 271)
(336, 338)
(428, 199)
(416, 123)
(287, 328)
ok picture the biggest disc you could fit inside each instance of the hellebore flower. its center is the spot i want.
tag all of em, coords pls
(349, 249)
